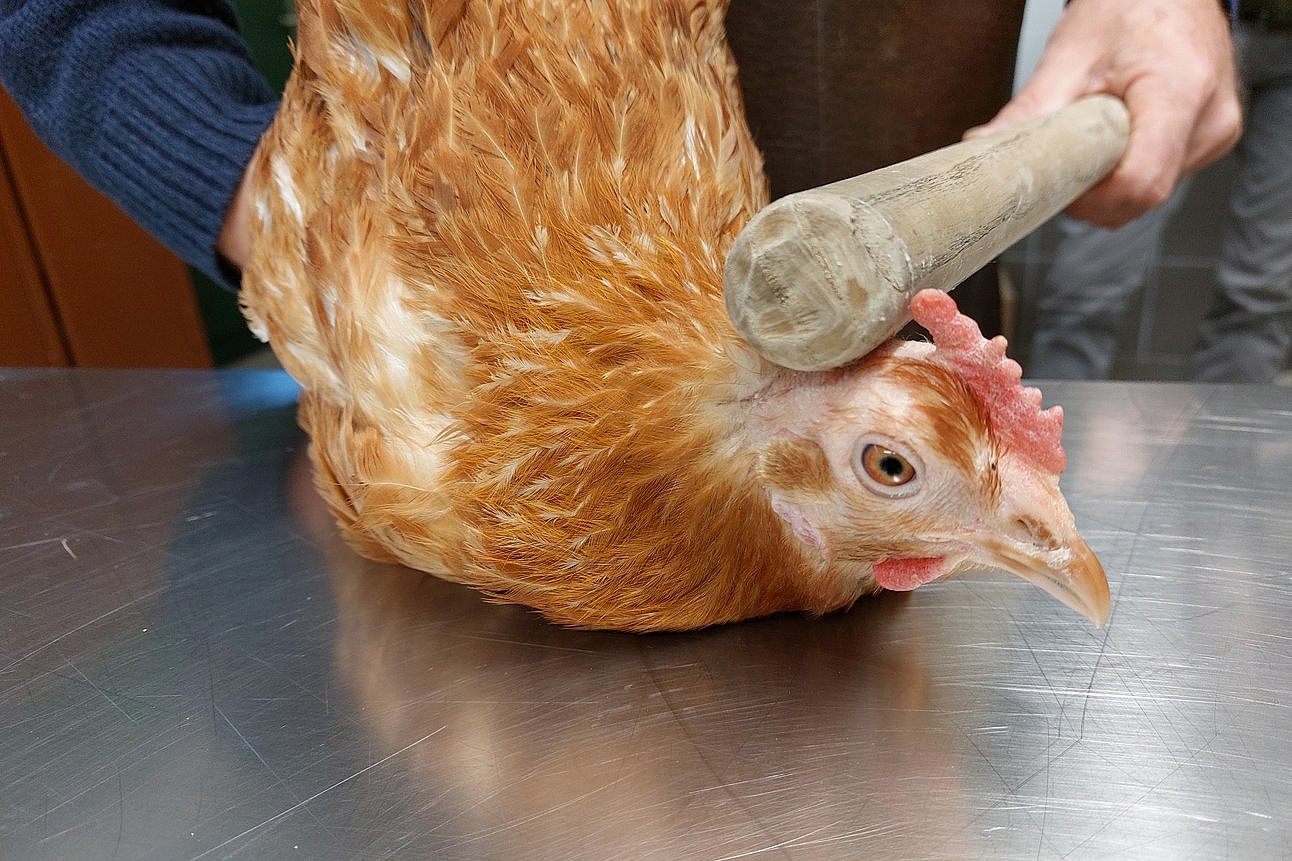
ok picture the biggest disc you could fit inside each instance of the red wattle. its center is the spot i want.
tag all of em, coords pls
(904, 574)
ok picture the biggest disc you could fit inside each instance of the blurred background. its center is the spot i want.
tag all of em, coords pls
(80, 285)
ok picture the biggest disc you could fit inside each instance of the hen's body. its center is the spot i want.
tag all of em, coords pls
(497, 242)
(492, 237)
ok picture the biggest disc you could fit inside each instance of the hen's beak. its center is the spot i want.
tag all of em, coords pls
(1035, 537)
(1069, 572)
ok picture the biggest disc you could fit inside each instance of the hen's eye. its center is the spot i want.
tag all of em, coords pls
(886, 466)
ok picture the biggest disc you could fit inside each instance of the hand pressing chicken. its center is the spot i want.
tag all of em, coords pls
(490, 239)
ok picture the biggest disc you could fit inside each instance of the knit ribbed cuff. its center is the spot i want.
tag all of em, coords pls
(178, 144)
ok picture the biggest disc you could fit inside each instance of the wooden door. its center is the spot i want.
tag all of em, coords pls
(80, 283)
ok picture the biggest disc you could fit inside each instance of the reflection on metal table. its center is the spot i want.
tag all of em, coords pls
(194, 665)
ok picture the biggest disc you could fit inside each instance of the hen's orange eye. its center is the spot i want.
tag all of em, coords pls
(886, 466)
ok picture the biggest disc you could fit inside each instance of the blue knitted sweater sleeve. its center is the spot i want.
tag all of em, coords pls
(155, 102)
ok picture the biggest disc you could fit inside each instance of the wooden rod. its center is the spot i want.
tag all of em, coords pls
(822, 277)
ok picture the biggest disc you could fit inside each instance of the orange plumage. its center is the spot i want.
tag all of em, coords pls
(490, 246)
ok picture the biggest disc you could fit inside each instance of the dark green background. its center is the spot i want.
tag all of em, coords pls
(267, 25)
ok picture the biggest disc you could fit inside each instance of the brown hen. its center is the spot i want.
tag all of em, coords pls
(490, 247)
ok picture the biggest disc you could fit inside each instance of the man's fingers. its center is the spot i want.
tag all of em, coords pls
(1153, 162)
(1177, 127)
(1217, 131)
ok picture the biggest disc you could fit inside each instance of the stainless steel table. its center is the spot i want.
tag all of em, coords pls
(193, 665)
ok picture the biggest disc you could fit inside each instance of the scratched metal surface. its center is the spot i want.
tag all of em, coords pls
(193, 666)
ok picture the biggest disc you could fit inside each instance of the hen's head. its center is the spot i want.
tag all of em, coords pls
(925, 460)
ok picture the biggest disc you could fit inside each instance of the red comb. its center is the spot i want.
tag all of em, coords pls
(1015, 410)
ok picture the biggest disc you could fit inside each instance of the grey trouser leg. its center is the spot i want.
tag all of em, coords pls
(1094, 276)
(1247, 333)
